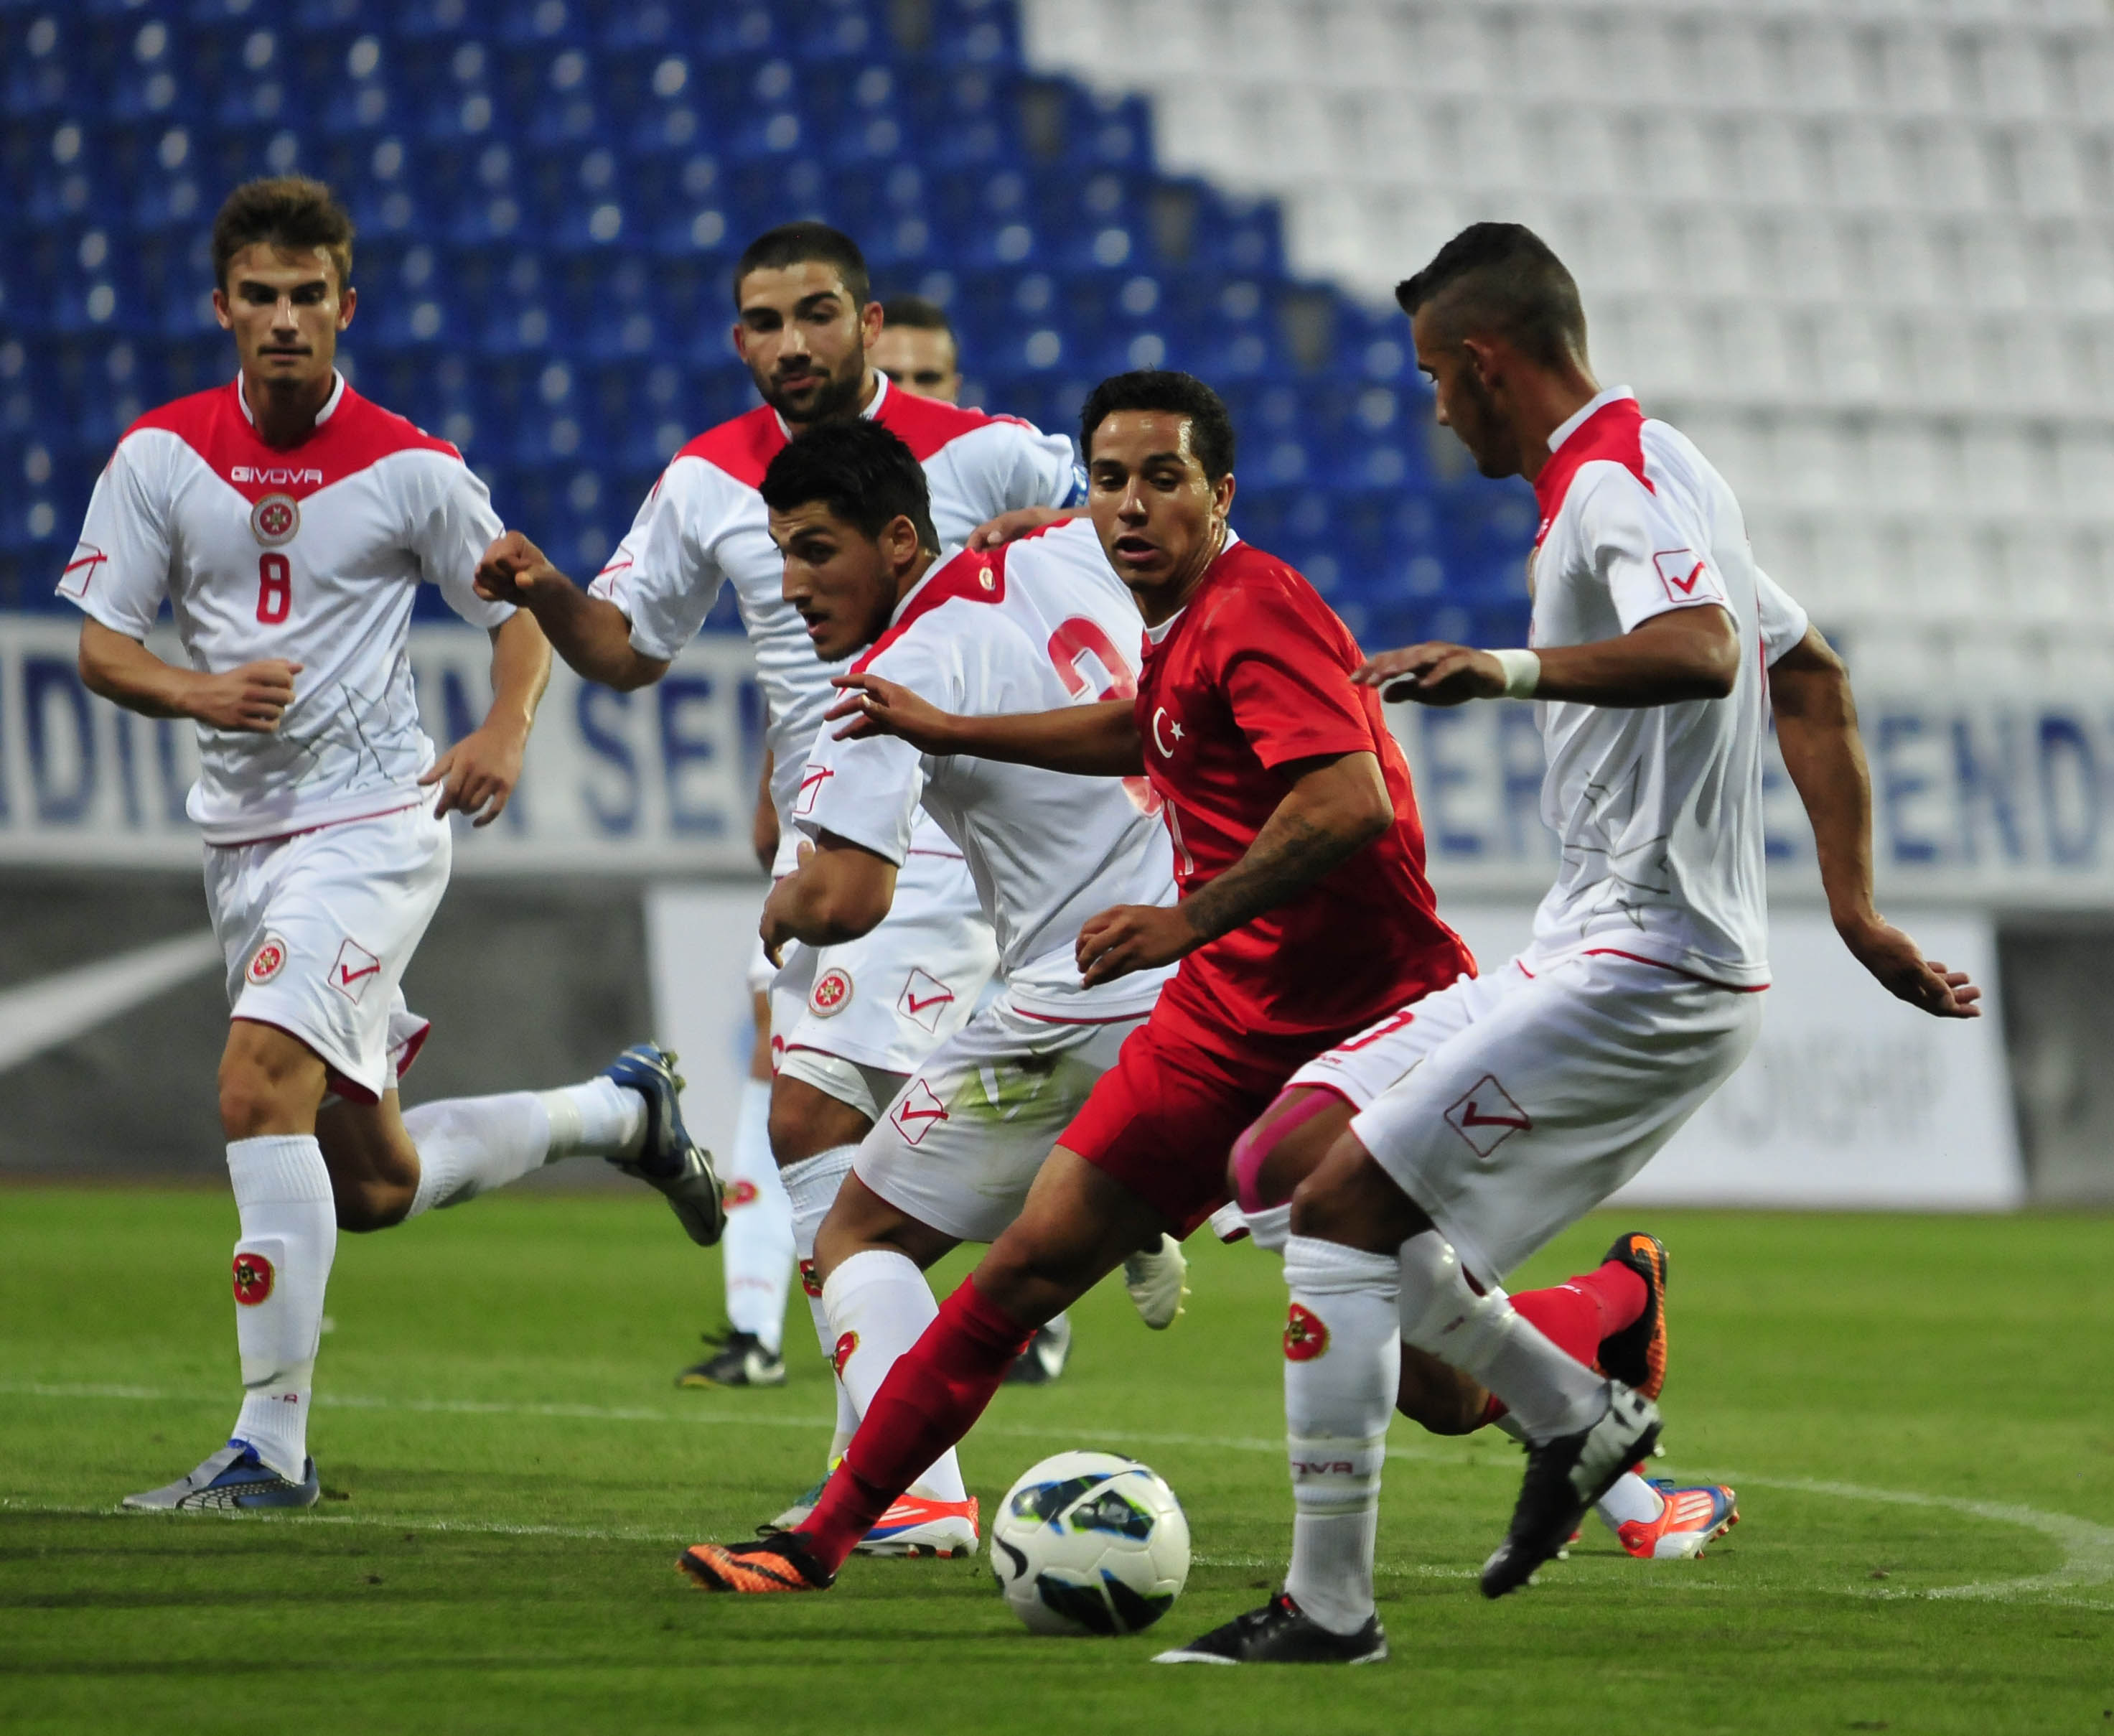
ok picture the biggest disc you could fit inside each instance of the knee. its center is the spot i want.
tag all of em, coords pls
(370, 1204)
(252, 1103)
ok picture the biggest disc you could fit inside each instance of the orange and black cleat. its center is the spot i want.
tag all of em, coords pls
(781, 1562)
(1636, 1355)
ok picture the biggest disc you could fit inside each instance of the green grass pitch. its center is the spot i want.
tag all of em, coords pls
(1919, 1415)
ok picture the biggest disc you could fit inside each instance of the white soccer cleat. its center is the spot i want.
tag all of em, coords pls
(233, 1479)
(1154, 1281)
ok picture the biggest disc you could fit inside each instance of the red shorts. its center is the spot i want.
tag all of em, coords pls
(1163, 1119)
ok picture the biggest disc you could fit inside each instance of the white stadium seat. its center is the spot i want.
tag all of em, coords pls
(1863, 250)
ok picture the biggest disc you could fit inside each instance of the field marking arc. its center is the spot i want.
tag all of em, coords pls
(2088, 1548)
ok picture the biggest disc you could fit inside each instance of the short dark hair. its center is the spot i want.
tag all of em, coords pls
(284, 210)
(1210, 428)
(861, 471)
(916, 312)
(806, 243)
(1505, 279)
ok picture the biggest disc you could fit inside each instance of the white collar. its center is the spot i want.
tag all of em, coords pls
(1579, 418)
(871, 411)
(1155, 634)
(322, 415)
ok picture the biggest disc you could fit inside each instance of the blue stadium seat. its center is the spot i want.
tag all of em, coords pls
(550, 196)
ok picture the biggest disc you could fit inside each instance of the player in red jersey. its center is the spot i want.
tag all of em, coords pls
(1305, 912)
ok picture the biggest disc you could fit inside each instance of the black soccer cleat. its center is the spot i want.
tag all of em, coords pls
(670, 1159)
(1281, 1632)
(781, 1562)
(740, 1360)
(1564, 1478)
(1636, 1355)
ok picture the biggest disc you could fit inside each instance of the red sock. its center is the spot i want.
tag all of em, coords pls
(1576, 1315)
(931, 1398)
(1620, 1292)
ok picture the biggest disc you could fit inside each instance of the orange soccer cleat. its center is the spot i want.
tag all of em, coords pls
(1636, 1355)
(781, 1562)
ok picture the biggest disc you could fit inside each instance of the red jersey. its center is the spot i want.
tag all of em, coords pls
(1252, 676)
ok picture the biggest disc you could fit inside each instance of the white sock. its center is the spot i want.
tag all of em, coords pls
(1343, 1361)
(1270, 1228)
(757, 1252)
(1549, 1392)
(1631, 1501)
(878, 1303)
(283, 1262)
(598, 1119)
(469, 1146)
(811, 1186)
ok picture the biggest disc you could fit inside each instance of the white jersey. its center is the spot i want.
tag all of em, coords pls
(312, 552)
(1659, 808)
(1038, 624)
(705, 524)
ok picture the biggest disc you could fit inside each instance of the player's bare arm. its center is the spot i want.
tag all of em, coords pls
(120, 668)
(477, 776)
(1682, 654)
(1817, 728)
(1096, 740)
(763, 823)
(1010, 526)
(1336, 806)
(590, 632)
(841, 890)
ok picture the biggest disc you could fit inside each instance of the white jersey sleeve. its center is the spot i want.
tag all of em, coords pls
(119, 573)
(1783, 621)
(1648, 564)
(867, 790)
(665, 574)
(449, 533)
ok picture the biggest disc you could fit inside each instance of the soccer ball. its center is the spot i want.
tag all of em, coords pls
(1090, 1543)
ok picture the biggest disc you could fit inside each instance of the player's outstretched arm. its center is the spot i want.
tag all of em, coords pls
(590, 632)
(996, 532)
(1817, 728)
(1689, 653)
(1097, 740)
(123, 671)
(841, 890)
(1336, 806)
(477, 776)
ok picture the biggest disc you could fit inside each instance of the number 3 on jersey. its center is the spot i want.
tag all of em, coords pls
(275, 589)
(1070, 646)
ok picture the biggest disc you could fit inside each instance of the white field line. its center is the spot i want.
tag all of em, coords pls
(2088, 1549)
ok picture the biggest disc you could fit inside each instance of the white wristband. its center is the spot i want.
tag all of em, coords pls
(1522, 673)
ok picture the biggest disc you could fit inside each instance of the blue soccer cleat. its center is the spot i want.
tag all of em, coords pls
(669, 1160)
(233, 1478)
(1693, 1518)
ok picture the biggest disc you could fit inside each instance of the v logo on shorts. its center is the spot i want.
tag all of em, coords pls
(916, 1110)
(924, 998)
(1486, 1116)
(353, 969)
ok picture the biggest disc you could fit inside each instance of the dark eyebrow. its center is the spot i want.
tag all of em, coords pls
(808, 304)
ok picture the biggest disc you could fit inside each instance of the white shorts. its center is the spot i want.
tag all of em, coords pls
(1507, 1107)
(889, 998)
(959, 1147)
(316, 930)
